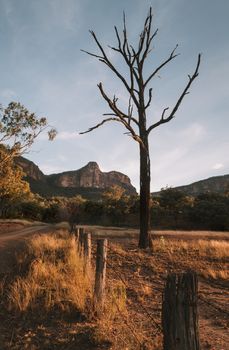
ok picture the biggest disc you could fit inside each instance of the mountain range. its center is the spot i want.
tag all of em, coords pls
(90, 182)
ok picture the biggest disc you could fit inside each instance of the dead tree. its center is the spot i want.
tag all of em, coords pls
(135, 117)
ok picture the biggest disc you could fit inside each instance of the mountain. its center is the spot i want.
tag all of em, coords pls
(89, 181)
(30, 169)
(215, 184)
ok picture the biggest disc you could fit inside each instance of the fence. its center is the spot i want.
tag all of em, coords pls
(179, 322)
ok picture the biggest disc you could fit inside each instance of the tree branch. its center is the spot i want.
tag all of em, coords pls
(100, 124)
(103, 58)
(113, 106)
(121, 117)
(175, 108)
(171, 57)
(150, 98)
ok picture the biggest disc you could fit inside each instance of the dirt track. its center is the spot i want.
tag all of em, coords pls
(11, 240)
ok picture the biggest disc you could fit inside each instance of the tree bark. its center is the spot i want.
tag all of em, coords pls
(144, 236)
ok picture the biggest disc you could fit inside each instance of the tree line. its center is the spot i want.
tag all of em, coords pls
(171, 210)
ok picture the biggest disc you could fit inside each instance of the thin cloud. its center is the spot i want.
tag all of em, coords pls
(217, 166)
(67, 135)
(8, 94)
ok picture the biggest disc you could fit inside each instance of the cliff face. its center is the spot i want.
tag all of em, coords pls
(91, 176)
(88, 181)
(30, 169)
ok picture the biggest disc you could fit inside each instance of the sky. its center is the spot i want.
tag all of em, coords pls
(42, 66)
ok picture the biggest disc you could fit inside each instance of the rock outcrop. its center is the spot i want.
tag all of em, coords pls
(30, 169)
(88, 181)
(91, 176)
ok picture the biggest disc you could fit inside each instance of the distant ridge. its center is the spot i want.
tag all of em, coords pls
(215, 184)
(88, 181)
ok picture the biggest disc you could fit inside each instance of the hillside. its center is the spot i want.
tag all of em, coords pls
(215, 184)
(88, 181)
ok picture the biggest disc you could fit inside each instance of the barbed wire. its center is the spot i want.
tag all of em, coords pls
(213, 306)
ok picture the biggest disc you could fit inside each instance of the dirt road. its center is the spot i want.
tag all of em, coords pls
(11, 240)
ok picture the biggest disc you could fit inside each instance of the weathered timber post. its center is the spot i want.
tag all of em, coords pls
(87, 250)
(80, 241)
(100, 275)
(180, 312)
(77, 233)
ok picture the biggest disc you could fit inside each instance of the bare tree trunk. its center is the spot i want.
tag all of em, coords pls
(144, 236)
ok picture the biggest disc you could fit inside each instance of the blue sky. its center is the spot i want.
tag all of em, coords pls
(42, 67)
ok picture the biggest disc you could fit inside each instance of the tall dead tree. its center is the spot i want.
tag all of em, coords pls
(135, 117)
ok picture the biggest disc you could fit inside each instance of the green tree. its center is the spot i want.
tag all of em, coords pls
(19, 128)
(12, 187)
(135, 117)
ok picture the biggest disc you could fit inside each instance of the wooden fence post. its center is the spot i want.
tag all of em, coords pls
(77, 232)
(87, 249)
(100, 275)
(80, 241)
(180, 313)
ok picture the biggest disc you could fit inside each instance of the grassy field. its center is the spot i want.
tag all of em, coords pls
(46, 300)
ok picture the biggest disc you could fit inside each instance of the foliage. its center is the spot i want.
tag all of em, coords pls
(19, 128)
(171, 210)
(12, 187)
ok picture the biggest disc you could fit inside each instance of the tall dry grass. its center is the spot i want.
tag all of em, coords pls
(55, 276)
(208, 257)
(206, 248)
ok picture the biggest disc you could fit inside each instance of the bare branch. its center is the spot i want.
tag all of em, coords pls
(100, 124)
(175, 108)
(92, 54)
(150, 98)
(103, 58)
(118, 37)
(116, 110)
(171, 57)
(120, 117)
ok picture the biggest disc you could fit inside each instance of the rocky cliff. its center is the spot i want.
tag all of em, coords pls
(30, 169)
(91, 176)
(89, 181)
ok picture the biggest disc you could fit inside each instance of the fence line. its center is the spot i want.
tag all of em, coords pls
(191, 317)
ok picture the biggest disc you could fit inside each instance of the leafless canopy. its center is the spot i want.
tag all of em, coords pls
(140, 95)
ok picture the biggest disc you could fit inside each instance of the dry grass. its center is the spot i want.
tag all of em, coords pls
(52, 275)
(207, 248)
(55, 276)
(204, 256)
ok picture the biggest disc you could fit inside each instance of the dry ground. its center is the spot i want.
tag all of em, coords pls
(141, 275)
